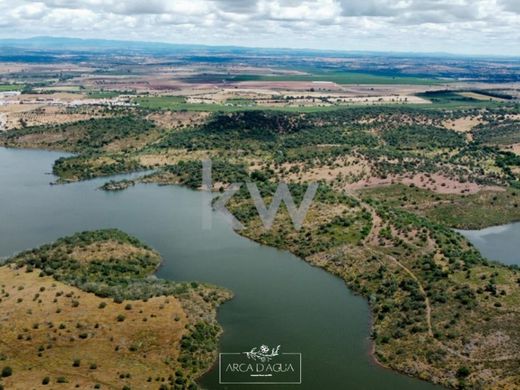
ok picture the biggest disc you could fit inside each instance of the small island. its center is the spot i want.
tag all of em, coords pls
(85, 311)
(120, 185)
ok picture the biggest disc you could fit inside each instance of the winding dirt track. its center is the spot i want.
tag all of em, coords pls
(371, 237)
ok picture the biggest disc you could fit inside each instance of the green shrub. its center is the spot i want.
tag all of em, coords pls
(463, 372)
(7, 371)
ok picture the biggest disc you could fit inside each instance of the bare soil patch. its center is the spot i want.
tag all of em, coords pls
(343, 168)
(176, 119)
(104, 251)
(170, 157)
(515, 148)
(463, 125)
(289, 85)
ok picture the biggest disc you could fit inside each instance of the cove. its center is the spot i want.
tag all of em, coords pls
(279, 298)
(498, 243)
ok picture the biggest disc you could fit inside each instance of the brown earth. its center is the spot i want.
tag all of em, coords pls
(175, 119)
(463, 125)
(47, 325)
(434, 182)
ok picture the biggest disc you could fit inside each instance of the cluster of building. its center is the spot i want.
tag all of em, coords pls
(123, 100)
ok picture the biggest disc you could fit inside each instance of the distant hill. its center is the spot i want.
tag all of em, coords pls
(45, 43)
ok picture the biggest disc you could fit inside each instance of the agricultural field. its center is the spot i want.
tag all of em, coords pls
(10, 87)
(332, 77)
(401, 160)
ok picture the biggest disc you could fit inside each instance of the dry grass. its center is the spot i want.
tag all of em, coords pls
(514, 148)
(170, 157)
(51, 116)
(46, 325)
(344, 167)
(464, 124)
(41, 140)
(480, 96)
(132, 143)
(176, 119)
(104, 251)
(434, 182)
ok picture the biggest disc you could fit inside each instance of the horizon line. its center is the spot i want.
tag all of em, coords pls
(216, 46)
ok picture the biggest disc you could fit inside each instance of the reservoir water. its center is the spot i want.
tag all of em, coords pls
(279, 299)
(498, 243)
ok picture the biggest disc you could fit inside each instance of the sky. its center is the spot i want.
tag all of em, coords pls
(451, 26)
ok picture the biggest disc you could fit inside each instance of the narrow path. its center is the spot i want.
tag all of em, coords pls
(376, 220)
(370, 238)
(423, 292)
(421, 289)
(3, 122)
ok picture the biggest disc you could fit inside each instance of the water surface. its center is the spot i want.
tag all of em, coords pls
(500, 243)
(279, 299)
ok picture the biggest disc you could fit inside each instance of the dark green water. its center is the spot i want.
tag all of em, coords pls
(279, 299)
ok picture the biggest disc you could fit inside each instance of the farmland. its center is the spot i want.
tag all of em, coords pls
(401, 159)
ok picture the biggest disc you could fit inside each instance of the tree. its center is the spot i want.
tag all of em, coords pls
(463, 372)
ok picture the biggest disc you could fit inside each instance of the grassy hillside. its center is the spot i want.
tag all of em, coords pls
(82, 312)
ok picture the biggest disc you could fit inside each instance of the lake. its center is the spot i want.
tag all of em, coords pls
(498, 243)
(279, 298)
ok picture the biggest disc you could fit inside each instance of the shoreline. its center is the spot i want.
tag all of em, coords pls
(371, 350)
(371, 344)
(188, 303)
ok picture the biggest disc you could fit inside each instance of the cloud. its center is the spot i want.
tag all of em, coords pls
(236, 6)
(137, 7)
(299, 11)
(412, 11)
(355, 8)
(30, 11)
(425, 25)
(510, 5)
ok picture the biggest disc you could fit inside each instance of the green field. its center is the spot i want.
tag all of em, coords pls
(342, 78)
(11, 87)
(454, 100)
(161, 102)
(104, 94)
(177, 103)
